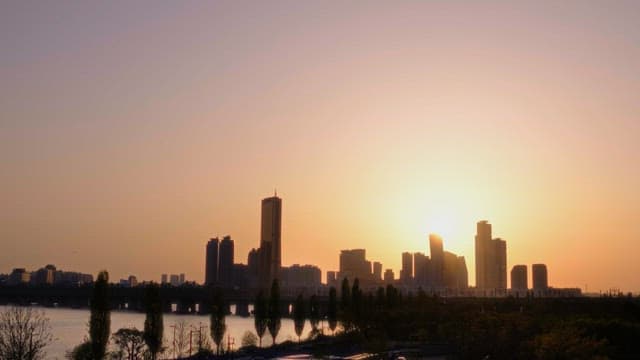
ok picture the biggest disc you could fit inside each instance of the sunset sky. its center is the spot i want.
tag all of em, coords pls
(130, 133)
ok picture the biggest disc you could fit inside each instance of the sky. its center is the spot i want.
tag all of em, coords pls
(131, 133)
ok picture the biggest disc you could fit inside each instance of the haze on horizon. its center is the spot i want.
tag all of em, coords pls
(132, 133)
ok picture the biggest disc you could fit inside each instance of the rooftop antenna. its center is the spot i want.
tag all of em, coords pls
(275, 192)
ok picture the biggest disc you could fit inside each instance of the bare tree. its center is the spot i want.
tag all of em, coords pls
(180, 339)
(24, 333)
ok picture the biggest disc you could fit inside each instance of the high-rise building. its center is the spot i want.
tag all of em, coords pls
(388, 276)
(437, 260)
(406, 273)
(500, 265)
(301, 276)
(483, 239)
(540, 277)
(211, 267)
(174, 279)
(455, 271)
(225, 262)
(253, 268)
(332, 278)
(164, 279)
(377, 271)
(491, 259)
(270, 240)
(463, 273)
(519, 278)
(354, 264)
(420, 265)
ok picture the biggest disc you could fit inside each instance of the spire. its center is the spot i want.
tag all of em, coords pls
(275, 192)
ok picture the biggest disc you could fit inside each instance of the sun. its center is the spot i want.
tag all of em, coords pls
(441, 223)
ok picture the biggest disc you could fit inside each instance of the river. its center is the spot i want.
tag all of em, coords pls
(69, 327)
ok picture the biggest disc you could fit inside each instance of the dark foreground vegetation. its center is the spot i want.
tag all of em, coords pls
(384, 323)
(388, 324)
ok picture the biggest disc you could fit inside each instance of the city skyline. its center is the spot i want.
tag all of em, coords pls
(441, 272)
(490, 256)
(131, 134)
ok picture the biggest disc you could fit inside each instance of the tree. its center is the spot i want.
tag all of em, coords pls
(81, 352)
(314, 313)
(180, 338)
(299, 315)
(218, 313)
(356, 302)
(345, 305)
(24, 333)
(345, 295)
(100, 320)
(332, 311)
(249, 339)
(130, 343)
(260, 313)
(202, 343)
(153, 322)
(273, 318)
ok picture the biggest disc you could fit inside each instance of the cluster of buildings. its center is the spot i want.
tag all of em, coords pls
(131, 281)
(264, 264)
(172, 279)
(439, 272)
(442, 270)
(48, 275)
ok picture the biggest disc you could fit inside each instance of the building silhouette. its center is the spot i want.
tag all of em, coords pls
(19, 276)
(377, 271)
(301, 276)
(389, 277)
(437, 261)
(225, 262)
(455, 275)
(420, 269)
(491, 259)
(540, 278)
(211, 266)
(499, 275)
(270, 240)
(354, 264)
(519, 283)
(406, 273)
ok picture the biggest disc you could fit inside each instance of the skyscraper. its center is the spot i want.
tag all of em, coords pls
(377, 271)
(406, 273)
(463, 273)
(225, 262)
(483, 239)
(270, 240)
(354, 264)
(211, 267)
(519, 278)
(388, 276)
(540, 277)
(437, 260)
(500, 264)
(491, 259)
(420, 264)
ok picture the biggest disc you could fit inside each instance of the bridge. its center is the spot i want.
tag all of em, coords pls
(175, 299)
